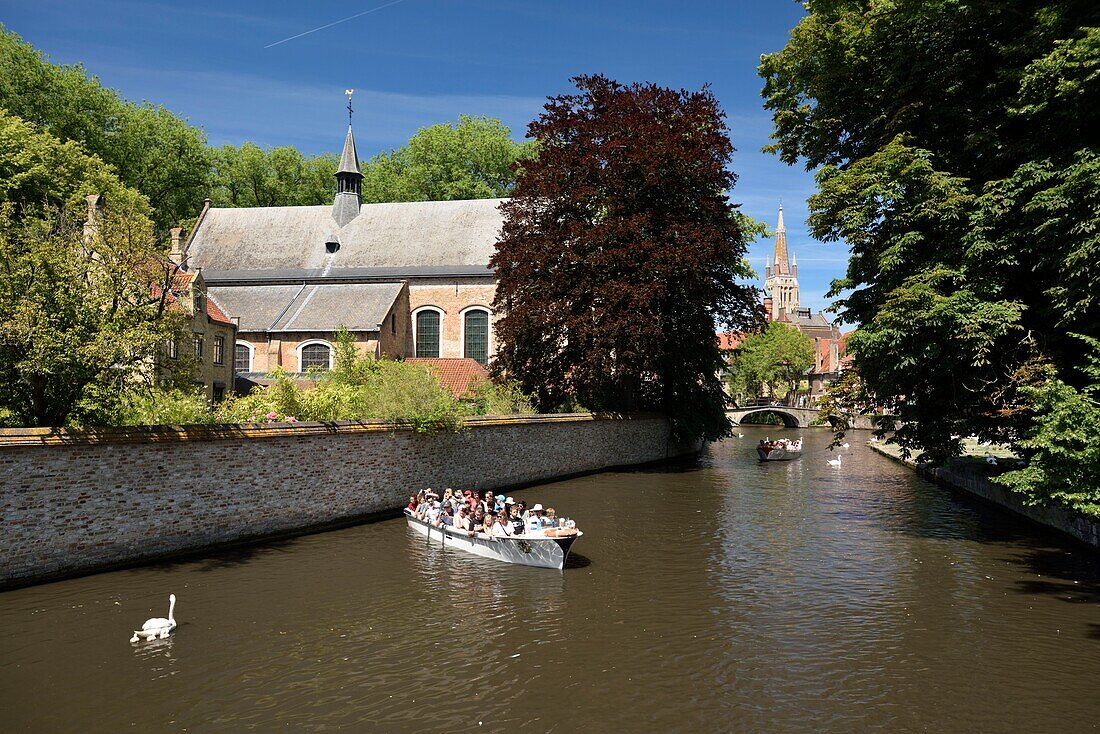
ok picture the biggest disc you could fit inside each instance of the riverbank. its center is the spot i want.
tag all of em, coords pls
(973, 477)
(81, 501)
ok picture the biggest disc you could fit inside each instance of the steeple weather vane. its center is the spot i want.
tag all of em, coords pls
(349, 92)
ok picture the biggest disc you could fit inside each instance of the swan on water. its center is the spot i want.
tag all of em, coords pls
(740, 435)
(835, 462)
(157, 626)
(843, 445)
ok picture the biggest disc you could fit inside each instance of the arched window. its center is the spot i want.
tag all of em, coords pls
(314, 354)
(242, 357)
(475, 334)
(427, 332)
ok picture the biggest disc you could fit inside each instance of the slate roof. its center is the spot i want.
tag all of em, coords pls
(455, 374)
(280, 308)
(400, 238)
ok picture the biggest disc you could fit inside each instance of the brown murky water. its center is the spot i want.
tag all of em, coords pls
(730, 596)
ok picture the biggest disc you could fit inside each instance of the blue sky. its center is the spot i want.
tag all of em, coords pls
(420, 62)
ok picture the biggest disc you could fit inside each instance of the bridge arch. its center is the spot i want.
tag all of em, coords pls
(791, 417)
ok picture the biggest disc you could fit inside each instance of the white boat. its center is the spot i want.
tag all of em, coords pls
(781, 450)
(533, 549)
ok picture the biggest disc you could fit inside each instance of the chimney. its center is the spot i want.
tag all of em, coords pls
(176, 253)
(96, 204)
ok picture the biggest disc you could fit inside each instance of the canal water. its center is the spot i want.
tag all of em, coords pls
(726, 595)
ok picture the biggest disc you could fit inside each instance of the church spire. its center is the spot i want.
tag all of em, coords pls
(782, 262)
(348, 178)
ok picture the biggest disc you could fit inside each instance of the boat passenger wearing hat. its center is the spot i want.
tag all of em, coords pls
(534, 519)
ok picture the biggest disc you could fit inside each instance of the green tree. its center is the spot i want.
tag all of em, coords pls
(474, 158)
(620, 254)
(1064, 442)
(151, 149)
(249, 175)
(39, 171)
(776, 357)
(81, 318)
(961, 170)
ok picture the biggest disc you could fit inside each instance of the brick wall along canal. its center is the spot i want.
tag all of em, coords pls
(730, 596)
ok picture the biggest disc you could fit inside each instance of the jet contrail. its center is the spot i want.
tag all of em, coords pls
(335, 22)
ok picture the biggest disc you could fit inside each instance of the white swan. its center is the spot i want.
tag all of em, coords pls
(835, 462)
(843, 445)
(157, 626)
(991, 460)
(740, 435)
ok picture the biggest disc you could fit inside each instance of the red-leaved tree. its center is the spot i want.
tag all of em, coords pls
(620, 253)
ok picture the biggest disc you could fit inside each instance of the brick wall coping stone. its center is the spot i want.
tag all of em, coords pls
(24, 437)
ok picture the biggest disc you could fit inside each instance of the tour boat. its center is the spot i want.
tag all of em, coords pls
(781, 450)
(533, 549)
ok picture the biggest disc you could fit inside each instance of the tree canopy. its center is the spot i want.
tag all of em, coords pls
(159, 154)
(249, 175)
(619, 254)
(776, 357)
(151, 149)
(474, 158)
(962, 170)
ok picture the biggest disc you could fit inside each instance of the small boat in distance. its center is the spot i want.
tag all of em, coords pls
(782, 449)
(529, 549)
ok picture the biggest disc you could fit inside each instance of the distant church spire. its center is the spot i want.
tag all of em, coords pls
(348, 178)
(781, 279)
(782, 262)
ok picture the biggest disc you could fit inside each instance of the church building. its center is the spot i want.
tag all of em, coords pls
(781, 302)
(405, 279)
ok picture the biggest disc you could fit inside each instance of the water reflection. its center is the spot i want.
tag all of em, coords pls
(727, 595)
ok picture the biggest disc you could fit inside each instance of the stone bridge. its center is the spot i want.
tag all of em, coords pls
(792, 417)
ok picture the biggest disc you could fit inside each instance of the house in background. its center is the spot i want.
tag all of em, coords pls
(213, 335)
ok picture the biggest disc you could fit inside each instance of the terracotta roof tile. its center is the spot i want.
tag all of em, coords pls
(455, 374)
(730, 339)
(214, 311)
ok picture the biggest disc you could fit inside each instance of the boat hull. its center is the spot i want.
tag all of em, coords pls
(524, 550)
(778, 453)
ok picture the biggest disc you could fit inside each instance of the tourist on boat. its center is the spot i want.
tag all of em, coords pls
(477, 522)
(500, 528)
(421, 506)
(551, 519)
(448, 517)
(487, 501)
(462, 518)
(411, 507)
(433, 512)
(498, 504)
(534, 519)
(516, 519)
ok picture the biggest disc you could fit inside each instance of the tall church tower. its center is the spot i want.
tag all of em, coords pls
(781, 277)
(349, 179)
